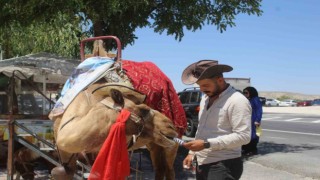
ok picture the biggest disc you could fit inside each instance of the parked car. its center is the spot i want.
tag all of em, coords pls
(190, 99)
(288, 102)
(316, 102)
(272, 102)
(304, 103)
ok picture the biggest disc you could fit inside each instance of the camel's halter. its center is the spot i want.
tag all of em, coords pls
(133, 117)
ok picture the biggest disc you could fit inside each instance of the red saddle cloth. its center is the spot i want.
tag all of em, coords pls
(148, 79)
(112, 162)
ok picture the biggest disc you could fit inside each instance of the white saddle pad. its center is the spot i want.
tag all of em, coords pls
(86, 73)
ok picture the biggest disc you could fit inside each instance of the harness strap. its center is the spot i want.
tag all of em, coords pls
(87, 96)
(111, 105)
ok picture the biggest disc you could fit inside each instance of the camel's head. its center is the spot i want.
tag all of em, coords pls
(145, 123)
(153, 126)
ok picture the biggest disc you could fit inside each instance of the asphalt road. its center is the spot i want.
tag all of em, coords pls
(289, 148)
(292, 128)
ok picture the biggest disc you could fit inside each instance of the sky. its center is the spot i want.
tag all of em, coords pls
(278, 51)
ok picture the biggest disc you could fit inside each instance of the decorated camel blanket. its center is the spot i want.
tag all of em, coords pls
(148, 79)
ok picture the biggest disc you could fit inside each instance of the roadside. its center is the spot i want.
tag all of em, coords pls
(256, 171)
(309, 110)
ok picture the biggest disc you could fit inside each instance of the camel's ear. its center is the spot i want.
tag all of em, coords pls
(117, 97)
(104, 90)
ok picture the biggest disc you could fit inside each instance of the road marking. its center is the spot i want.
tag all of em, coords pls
(293, 119)
(289, 120)
(271, 118)
(316, 144)
(276, 138)
(291, 132)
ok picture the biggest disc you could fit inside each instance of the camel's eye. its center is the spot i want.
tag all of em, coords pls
(144, 112)
(117, 97)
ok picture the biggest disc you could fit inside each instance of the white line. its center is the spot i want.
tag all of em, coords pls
(276, 138)
(271, 118)
(317, 144)
(279, 120)
(290, 132)
(294, 119)
(316, 121)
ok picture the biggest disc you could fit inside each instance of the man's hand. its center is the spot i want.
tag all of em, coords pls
(195, 145)
(256, 124)
(187, 161)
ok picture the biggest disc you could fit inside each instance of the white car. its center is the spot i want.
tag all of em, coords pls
(288, 102)
(272, 102)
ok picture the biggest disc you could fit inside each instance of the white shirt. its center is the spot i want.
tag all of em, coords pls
(226, 125)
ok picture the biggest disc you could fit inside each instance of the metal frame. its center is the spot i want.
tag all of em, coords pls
(14, 137)
(82, 45)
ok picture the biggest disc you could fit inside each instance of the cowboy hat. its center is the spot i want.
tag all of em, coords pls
(203, 69)
(127, 91)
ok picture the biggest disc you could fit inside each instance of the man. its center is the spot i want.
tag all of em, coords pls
(224, 123)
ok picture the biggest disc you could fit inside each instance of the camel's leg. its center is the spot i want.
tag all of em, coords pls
(158, 160)
(170, 154)
(162, 161)
(65, 172)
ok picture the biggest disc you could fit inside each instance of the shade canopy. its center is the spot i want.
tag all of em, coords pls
(41, 67)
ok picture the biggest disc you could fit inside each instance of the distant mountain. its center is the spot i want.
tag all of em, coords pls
(291, 95)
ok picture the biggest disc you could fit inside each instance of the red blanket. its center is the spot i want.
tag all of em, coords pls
(112, 162)
(148, 79)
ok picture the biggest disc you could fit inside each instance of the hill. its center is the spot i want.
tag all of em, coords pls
(290, 95)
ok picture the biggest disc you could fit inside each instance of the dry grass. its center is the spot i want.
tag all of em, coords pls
(297, 96)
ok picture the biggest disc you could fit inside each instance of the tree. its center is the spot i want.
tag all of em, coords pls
(74, 20)
(58, 36)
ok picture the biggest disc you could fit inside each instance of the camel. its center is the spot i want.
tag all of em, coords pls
(86, 110)
(85, 124)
